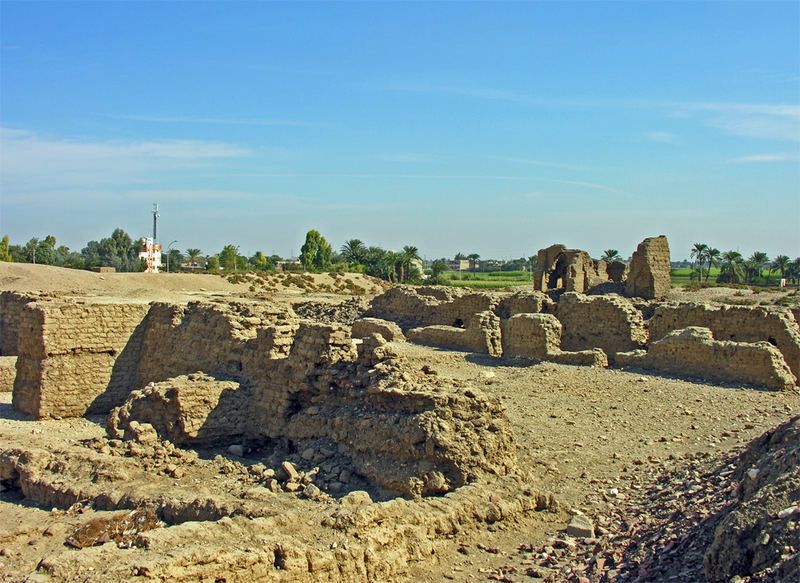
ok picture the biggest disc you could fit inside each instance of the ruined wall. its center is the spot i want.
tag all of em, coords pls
(355, 408)
(694, 352)
(11, 305)
(570, 269)
(538, 337)
(400, 434)
(367, 326)
(8, 370)
(533, 336)
(76, 358)
(193, 409)
(737, 323)
(482, 334)
(228, 340)
(429, 306)
(650, 269)
(609, 322)
(524, 302)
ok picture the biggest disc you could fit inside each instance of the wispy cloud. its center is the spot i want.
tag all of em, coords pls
(540, 163)
(30, 161)
(779, 157)
(663, 137)
(226, 121)
(765, 121)
(405, 158)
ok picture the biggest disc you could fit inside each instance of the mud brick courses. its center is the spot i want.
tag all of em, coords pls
(76, 358)
(429, 306)
(11, 305)
(737, 323)
(650, 268)
(482, 334)
(693, 351)
(607, 322)
(8, 370)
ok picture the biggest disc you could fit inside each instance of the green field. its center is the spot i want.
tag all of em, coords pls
(488, 280)
(682, 275)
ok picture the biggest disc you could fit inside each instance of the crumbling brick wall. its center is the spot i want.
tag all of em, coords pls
(609, 322)
(8, 370)
(482, 334)
(649, 275)
(76, 358)
(737, 323)
(694, 352)
(524, 302)
(228, 340)
(358, 406)
(533, 336)
(538, 337)
(11, 305)
(570, 269)
(364, 327)
(430, 306)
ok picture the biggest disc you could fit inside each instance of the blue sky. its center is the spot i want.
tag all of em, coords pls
(485, 127)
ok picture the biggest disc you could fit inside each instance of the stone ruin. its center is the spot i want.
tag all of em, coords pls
(208, 374)
(573, 270)
(570, 269)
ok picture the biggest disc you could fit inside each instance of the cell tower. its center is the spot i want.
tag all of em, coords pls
(155, 222)
(151, 254)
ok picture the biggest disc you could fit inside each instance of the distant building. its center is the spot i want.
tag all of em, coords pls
(197, 265)
(459, 265)
(151, 255)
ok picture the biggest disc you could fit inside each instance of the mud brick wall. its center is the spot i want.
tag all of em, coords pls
(609, 322)
(533, 336)
(482, 334)
(76, 358)
(694, 352)
(429, 306)
(224, 340)
(399, 434)
(367, 326)
(11, 305)
(736, 323)
(193, 409)
(8, 370)
(650, 268)
(524, 302)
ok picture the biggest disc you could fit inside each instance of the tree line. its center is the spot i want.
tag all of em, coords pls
(735, 268)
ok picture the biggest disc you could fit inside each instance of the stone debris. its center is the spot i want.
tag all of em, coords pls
(580, 527)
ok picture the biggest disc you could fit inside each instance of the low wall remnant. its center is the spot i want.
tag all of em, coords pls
(694, 352)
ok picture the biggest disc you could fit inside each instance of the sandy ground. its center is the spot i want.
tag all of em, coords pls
(596, 438)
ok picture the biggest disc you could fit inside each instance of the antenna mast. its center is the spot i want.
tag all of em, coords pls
(155, 222)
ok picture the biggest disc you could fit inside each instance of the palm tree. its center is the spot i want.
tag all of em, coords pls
(781, 263)
(354, 251)
(473, 257)
(731, 268)
(759, 260)
(699, 252)
(409, 254)
(793, 270)
(388, 265)
(193, 254)
(712, 256)
(437, 268)
(610, 255)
